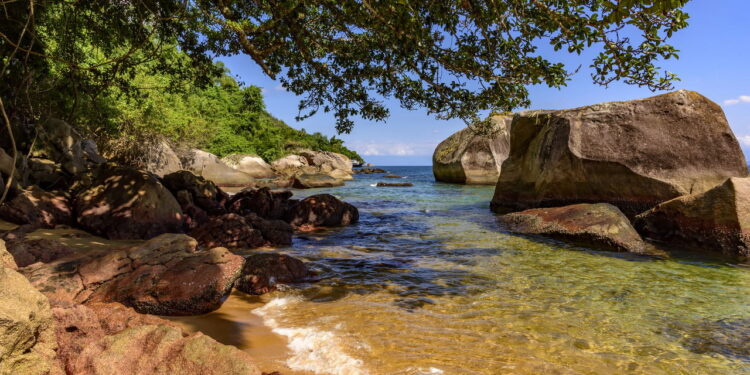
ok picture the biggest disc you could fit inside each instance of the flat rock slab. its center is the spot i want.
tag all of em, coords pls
(309, 181)
(599, 225)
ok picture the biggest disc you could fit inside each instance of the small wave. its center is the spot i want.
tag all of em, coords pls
(373, 185)
(312, 349)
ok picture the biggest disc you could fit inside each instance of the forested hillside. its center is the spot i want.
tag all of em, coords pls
(223, 117)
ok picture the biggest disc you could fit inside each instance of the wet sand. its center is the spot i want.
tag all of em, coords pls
(235, 324)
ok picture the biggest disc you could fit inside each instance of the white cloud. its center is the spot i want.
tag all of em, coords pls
(740, 99)
(745, 140)
(391, 149)
(277, 88)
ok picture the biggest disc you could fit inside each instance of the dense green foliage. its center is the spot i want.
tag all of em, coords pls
(454, 58)
(222, 118)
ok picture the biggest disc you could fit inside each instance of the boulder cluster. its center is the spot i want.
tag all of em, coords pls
(302, 170)
(667, 168)
(160, 242)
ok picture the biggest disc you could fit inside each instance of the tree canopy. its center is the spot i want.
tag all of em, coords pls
(454, 58)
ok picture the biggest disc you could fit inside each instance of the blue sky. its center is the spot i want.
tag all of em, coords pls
(714, 60)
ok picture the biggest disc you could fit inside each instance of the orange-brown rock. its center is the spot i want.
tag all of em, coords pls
(99, 339)
(599, 225)
(634, 154)
(717, 220)
(167, 275)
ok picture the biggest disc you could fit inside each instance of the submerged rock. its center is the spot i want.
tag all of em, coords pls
(263, 272)
(323, 210)
(369, 171)
(126, 203)
(251, 164)
(633, 154)
(208, 166)
(726, 337)
(166, 275)
(394, 184)
(308, 181)
(38, 207)
(27, 331)
(716, 220)
(600, 225)
(469, 157)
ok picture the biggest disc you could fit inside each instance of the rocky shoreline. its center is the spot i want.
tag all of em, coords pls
(144, 244)
(94, 254)
(667, 168)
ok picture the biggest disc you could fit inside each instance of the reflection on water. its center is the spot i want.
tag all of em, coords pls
(427, 283)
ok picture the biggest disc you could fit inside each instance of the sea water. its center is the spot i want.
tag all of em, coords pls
(428, 283)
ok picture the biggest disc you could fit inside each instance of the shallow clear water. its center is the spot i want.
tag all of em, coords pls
(428, 283)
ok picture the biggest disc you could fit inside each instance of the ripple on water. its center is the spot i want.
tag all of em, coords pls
(427, 283)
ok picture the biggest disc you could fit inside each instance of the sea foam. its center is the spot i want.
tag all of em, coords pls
(313, 349)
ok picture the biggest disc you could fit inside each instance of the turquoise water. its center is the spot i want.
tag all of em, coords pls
(428, 283)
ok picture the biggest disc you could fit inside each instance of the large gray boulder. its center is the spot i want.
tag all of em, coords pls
(634, 154)
(251, 164)
(208, 166)
(161, 159)
(310, 162)
(717, 220)
(471, 157)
